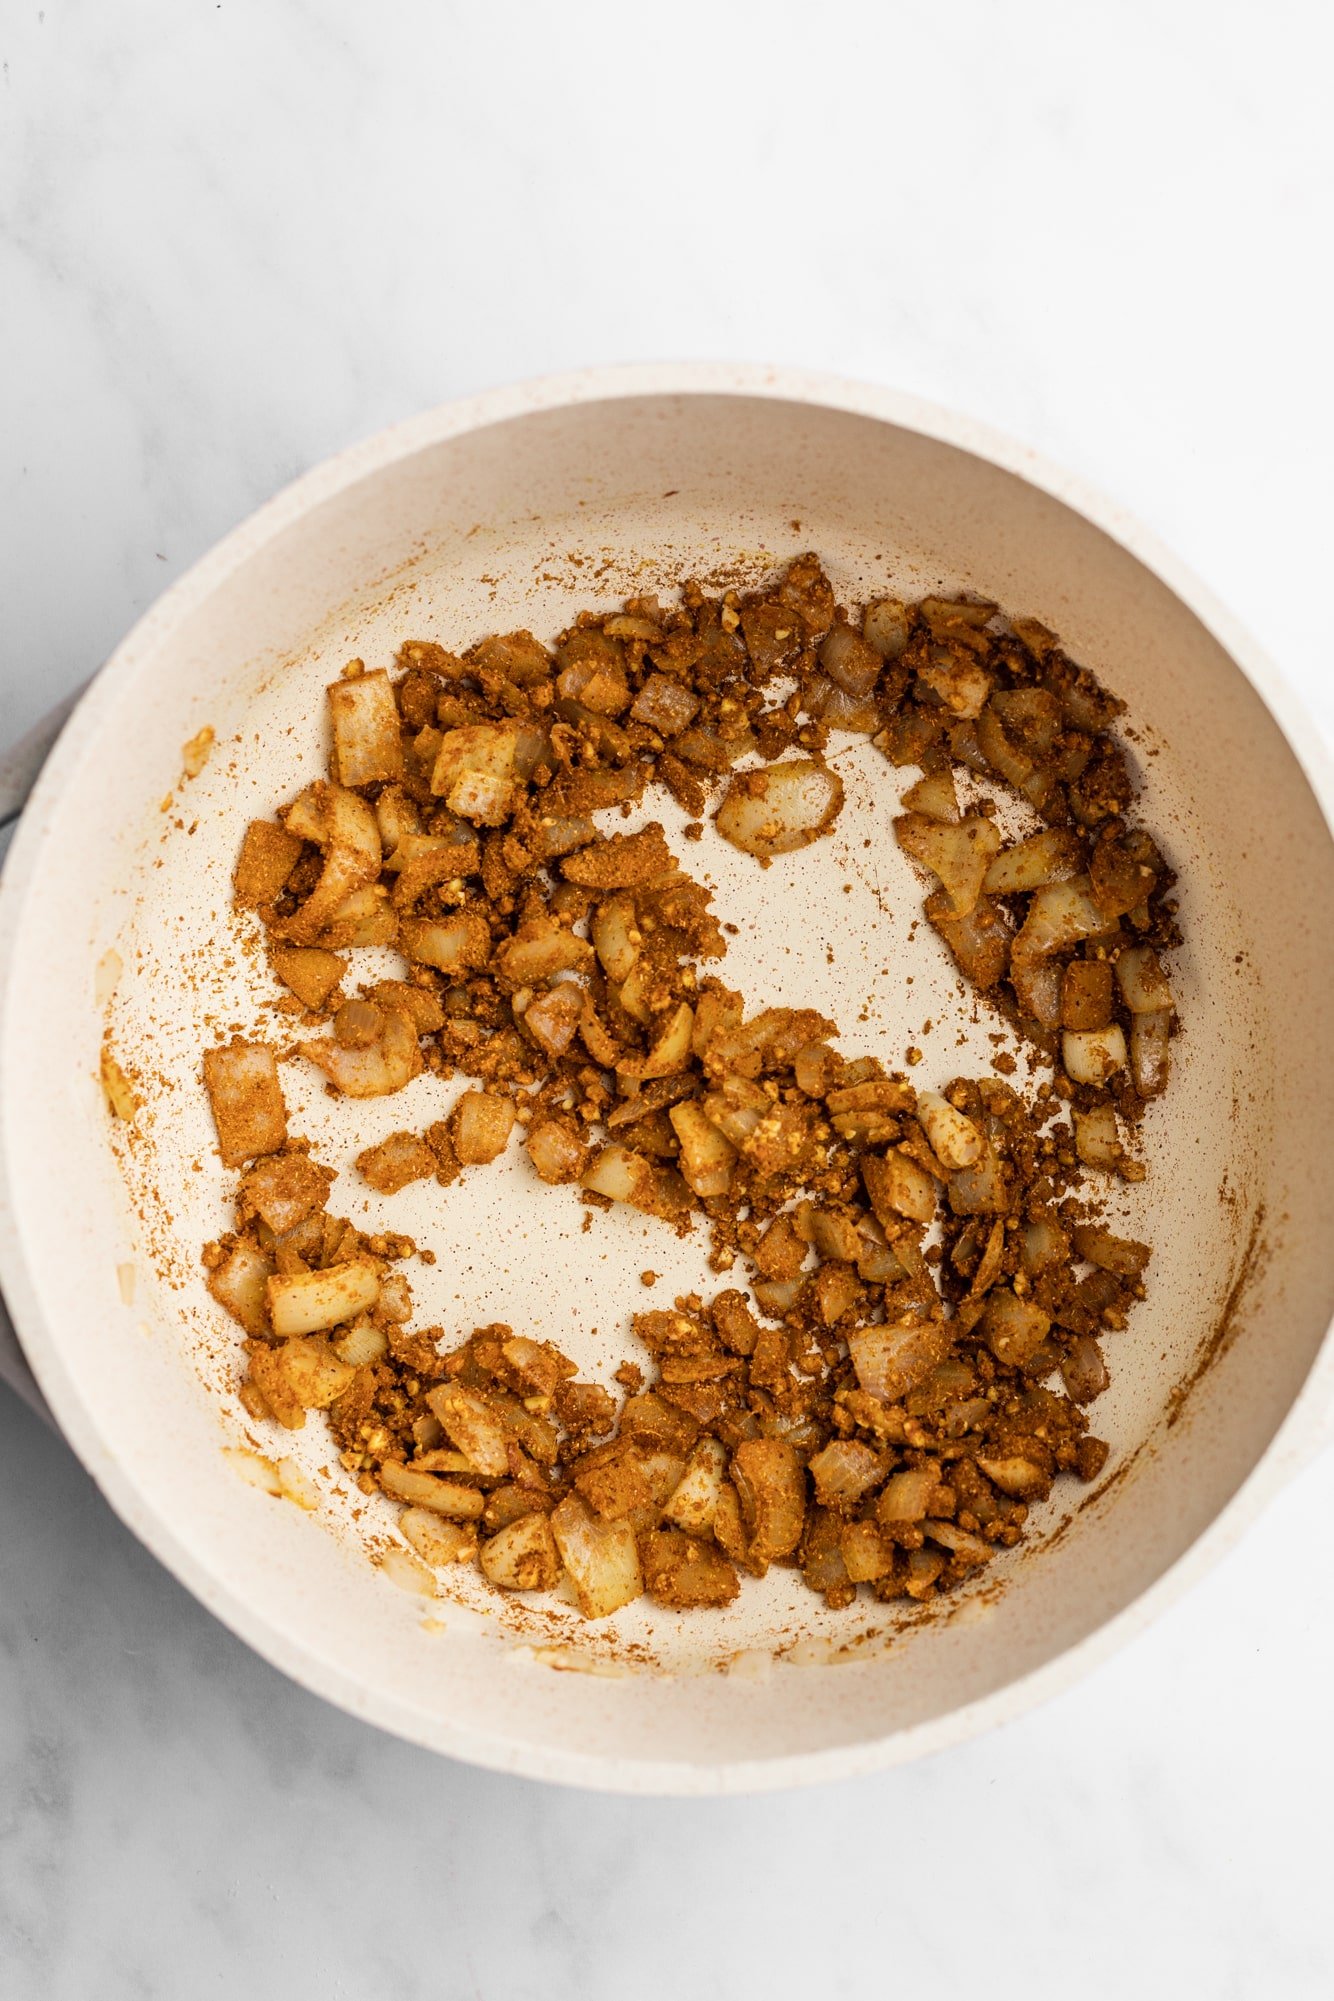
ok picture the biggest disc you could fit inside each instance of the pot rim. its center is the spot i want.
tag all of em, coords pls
(1296, 1438)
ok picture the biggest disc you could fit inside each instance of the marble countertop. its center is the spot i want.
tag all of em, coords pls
(239, 236)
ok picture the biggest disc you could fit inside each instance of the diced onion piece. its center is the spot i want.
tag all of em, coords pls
(268, 855)
(831, 1235)
(781, 807)
(1142, 981)
(838, 710)
(345, 827)
(1042, 1244)
(665, 704)
(1150, 1058)
(478, 750)
(308, 1302)
(474, 1427)
(555, 1150)
(368, 745)
(254, 1468)
(396, 816)
(246, 1099)
(1061, 914)
(962, 1544)
(960, 855)
(778, 1295)
(906, 1496)
(310, 972)
(437, 1540)
(624, 1176)
(453, 945)
(876, 1262)
(836, 1292)
(707, 1156)
(885, 627)
(428, 1490)
(1121, 1255)
(365, 916)
(892, 1358)
(1014, 1327)
(602, 1558)
(376, 1072)
(865, 1552)
(1020, 1478)
(670, 1050)
(844, 1470)
(1084, 1372)
(957, 682)
(522, 1556)
(980, 942)
(1052, 855)
(771, 1482)
(480, 1126)
(980, 1190)
(897, 1187)
(405, 1570)
(283, 1190)
(239, 1284)
(935, 798)
(296, 1485)
(553, 1018)
(362, 1343)
(1098, 1137)
(398, 1160)
(955, 1140)
(850, 661)
(1038, 985)
(481, 797)
(616, 938)
(1094, 1055)
(304, 1374)
(693, 1502)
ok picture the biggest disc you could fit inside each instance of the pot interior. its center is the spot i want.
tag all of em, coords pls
(521, 523)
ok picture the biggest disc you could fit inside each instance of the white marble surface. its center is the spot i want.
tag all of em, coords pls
(239, 236)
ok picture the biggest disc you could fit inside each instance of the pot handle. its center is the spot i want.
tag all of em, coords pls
(19, 767)
(20, 764)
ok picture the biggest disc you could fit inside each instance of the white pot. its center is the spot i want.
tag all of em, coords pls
(469, 517)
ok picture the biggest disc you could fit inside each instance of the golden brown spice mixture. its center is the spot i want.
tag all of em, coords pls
(928, 1285)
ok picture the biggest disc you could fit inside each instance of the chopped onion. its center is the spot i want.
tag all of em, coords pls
(1142, 981)
(386, 1066)
(1092, 1056)
(601, 1557)
(781, 807)
(844, 1470)
(955, 1140)
(1014, 1327)
(850, 661)
(428, 1490)
(437, 1540)
(935, 796)
(885, 627)
(522, 1556)
(960, 855)
(1150, 1059)
(707, 1156)
(453, 945)
(308, 1302)
(1052, 855)
(893, 1358)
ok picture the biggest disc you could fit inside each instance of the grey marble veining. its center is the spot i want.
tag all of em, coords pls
(237, 237)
